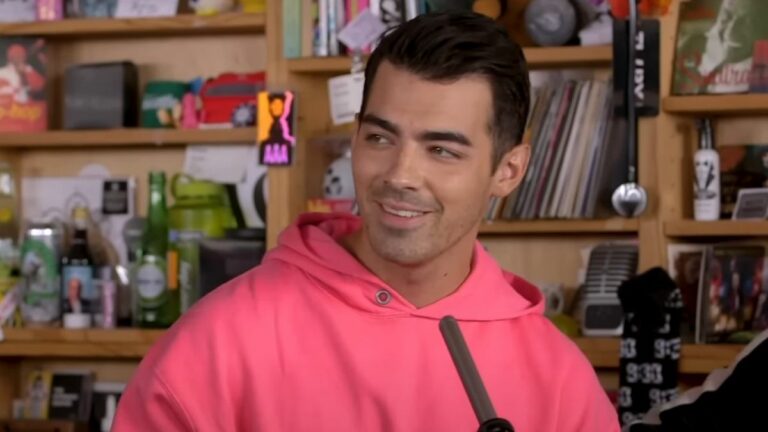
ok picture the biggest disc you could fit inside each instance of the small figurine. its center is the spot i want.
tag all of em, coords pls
(339, 182)
(189, 118)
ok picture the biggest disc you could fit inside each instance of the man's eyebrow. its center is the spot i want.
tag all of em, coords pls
(380, 122)
(450, 136)
(445, 136)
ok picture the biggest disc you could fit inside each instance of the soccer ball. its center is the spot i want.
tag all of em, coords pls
(339, 183)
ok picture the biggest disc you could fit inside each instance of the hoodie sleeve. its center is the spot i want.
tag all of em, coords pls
(149, 405)
(584, 404)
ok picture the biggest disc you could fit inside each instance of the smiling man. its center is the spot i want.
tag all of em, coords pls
(338, 328)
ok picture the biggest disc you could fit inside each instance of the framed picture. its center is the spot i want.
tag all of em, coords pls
(751, 204)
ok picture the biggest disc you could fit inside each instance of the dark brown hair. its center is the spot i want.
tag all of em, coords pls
(447, 46)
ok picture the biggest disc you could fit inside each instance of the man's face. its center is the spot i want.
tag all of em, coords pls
(17, 56)
(422, 163)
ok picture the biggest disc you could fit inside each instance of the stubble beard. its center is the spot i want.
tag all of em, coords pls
(405, 247)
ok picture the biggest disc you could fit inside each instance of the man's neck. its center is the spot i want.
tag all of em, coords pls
(421, 284)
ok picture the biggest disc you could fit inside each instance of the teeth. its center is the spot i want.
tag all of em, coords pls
(402, 213)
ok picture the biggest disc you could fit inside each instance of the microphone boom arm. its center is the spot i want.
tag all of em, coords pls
(470, 378)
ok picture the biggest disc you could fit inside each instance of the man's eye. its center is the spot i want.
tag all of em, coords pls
(376, 139)
(443, 152)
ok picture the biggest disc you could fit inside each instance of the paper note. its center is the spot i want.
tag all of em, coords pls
(218, 163)
(346, 95)
(362, 30)
(146, 8)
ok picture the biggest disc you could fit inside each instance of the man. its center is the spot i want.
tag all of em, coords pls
(18, 77)
(338, 329)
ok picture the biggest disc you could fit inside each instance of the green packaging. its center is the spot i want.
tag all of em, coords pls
(161, 104)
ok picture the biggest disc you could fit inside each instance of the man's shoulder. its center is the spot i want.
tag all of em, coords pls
(232, 312)
(259, 286)
(562, 348)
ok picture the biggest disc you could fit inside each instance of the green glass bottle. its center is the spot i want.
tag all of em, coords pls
(158, 302)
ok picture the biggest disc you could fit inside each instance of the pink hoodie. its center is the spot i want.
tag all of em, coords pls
(312, 341)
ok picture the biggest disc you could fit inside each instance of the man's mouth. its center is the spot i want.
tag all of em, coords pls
(402, 212)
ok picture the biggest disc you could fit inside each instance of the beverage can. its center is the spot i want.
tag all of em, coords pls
(40, 252)
(187, 246)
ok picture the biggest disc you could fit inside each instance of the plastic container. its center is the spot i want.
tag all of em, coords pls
(201, 210)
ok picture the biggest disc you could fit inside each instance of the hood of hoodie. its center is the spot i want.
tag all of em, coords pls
(487, 294)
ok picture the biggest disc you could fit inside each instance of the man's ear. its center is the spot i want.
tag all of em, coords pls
(511, 170)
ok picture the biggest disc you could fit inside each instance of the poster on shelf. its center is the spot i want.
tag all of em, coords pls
(275, 128)
(23, 82)
(717, 41)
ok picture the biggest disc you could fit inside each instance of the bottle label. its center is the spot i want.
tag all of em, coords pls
(150, 283)
(187, 245)
(185, 282)
(42, 292)
(78, 291)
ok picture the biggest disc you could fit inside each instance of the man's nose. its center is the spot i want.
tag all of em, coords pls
(406, 170)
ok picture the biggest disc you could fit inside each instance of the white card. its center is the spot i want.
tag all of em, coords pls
(18, 10)
(361, 31)
(218, 163)
(146, 8)
(346, 95)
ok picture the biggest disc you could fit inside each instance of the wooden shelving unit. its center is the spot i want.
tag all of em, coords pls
(61, 343)
(721, 228)
(598, 226)
(537, 58)
(174, 48)
(178, 25)
(738, 104)
(247, 42)
(126, 137)
(134, 344)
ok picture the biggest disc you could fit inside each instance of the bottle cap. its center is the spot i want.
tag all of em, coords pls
(80, 216)
(157, 176)
(706, 138)
(77, 320)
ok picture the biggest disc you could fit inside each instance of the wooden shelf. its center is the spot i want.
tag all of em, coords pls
(61, 343)
(537, 57)
(178, 25)
(694, 359)
(574, 56)
(134, 344)
(721, 228)
(598, 226)
(734, 104)
(126, 137)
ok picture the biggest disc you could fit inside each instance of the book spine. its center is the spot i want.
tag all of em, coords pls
(292, 30)
(321, 47)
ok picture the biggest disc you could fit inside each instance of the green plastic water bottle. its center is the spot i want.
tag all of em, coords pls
(201, 210)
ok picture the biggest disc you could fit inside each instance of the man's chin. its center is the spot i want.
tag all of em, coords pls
(401, 256)
(404, 250)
